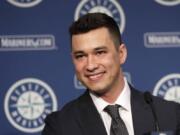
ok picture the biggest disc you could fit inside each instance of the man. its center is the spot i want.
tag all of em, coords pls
(98, 53)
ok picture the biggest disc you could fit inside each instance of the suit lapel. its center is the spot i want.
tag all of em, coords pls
(91, 123)
(88, 116)
(143, 120)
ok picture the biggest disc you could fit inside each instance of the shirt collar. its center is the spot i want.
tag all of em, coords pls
(123, 99)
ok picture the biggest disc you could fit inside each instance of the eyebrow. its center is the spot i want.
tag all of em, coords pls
(100, 48)
(78, 52)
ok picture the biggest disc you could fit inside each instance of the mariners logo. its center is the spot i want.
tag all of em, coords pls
(109, 7)
(24, 3)
(27, 103)
(168, 88)
(168, 2)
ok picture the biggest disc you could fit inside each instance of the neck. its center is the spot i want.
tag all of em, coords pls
(111, 95)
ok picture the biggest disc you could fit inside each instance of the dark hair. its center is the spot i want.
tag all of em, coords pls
(93, 21)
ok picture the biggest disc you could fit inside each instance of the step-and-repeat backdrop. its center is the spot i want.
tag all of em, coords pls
(36, 72)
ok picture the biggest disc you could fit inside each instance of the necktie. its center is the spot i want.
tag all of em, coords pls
(117, 125)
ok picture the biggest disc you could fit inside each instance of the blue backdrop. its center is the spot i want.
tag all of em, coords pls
(36, 72)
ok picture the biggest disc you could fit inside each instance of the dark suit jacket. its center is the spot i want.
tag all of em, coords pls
(80, 117)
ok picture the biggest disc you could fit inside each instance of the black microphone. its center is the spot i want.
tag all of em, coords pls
(149, 100)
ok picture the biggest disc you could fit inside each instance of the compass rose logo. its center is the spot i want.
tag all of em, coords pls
(109, 7)
(168, 88)
(27, 103)
(168, 2)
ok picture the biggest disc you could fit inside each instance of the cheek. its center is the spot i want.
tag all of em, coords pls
(111, 61)
(78, 66)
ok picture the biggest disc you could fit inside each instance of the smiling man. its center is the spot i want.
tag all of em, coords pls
(110, 106)
(97, 62)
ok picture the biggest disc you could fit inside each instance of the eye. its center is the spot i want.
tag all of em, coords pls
(100, 52)
(79, 56)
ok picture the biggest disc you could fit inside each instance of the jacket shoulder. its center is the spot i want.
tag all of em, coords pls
(59, 122)
(65, 112)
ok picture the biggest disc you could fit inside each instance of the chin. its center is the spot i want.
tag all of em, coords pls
(98, 91)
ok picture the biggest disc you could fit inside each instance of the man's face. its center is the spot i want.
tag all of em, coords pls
(97, 62)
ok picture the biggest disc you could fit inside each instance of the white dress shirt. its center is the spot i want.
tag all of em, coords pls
(125, 111)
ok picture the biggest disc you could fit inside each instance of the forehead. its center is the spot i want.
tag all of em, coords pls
(93, 39)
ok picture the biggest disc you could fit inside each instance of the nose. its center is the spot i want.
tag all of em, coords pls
(91, 64)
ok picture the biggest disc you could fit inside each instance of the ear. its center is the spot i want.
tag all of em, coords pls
(122, 53)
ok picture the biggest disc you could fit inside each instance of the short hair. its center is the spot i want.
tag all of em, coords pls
(92, 21)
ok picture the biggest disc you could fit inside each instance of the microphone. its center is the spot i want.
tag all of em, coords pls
(149, 100)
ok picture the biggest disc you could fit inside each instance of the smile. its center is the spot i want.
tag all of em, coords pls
(95, 77)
